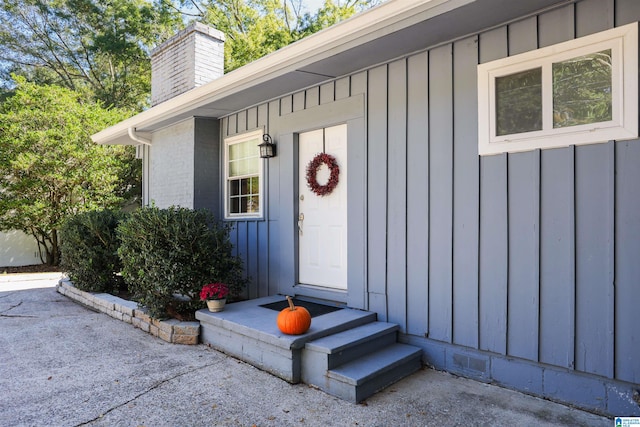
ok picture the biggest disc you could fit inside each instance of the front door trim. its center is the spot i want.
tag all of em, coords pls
(285, 129)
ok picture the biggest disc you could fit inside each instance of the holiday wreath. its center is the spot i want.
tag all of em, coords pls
(312, 172)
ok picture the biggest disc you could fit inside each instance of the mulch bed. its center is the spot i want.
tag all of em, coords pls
(39, 268)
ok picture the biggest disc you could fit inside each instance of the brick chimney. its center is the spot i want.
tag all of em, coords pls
(189, 59)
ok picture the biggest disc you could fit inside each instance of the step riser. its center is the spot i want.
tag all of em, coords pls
(356, 394)
(315, 364)
(371, 387)
(317, 360)
(337, 359)
(346, 326)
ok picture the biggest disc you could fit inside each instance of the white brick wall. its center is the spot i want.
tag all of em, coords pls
(191, 58)
(171, 166)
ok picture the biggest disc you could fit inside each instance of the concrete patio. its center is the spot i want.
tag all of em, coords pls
(62, 364)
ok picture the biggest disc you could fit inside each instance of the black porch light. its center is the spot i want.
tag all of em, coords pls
(267, 148)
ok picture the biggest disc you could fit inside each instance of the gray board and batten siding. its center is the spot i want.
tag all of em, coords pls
(521, 269)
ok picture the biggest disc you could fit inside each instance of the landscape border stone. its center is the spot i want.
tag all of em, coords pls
(171, 330)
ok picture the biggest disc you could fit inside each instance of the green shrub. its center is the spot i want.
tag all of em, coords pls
(175, 251)
(89, 247)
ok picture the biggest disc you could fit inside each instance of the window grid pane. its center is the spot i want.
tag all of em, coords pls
(244, 195)
(519, 102)
(582, 90)
(244, 158)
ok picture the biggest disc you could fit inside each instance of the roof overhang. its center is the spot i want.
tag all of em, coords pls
(394, 29)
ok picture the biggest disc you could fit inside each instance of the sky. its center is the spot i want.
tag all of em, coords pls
(313, 5)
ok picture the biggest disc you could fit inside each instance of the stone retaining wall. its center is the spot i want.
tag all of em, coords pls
(171, 330)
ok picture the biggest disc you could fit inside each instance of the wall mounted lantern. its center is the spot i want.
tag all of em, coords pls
(267, 148)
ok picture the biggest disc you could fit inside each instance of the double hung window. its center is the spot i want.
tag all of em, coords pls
(243, 176)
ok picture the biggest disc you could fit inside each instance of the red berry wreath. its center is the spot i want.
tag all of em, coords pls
(312, 171)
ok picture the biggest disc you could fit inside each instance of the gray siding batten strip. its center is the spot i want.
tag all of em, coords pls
(377, 189)
(594, 246)
(465, 194)
(397, 194)
(243, 250)
(417, 194)
(585, 11)
(557, 258)
(299, 100)
(523, 288)
(242, 121)
(232, 122)
(493, 254)
(252, 118)
(286, 105)
(341, 88)
(268, 119)
(262, 279)
(260, 118)
(523, 36)
(312, 97)
(626, 12)
(233, 237)
(440, 191)
(493, 45)
(268, 116)
(359, 83)
(556, 26)
(327, 93)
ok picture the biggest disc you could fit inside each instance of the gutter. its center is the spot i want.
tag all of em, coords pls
(131, 131)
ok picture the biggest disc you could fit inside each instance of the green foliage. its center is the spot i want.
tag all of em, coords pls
(255, 28)
(102, 49)
(90, 251)
(49, 167)
(98, 48)
(176, 251)
(331, 13)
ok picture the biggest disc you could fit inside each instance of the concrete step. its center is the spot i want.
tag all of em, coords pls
(343, 347)
(359, 379)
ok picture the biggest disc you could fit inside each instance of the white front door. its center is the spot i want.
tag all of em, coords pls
(322, 220)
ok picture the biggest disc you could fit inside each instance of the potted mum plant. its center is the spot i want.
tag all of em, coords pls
(215, 294)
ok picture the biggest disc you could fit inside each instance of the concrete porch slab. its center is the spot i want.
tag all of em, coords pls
(249, 332)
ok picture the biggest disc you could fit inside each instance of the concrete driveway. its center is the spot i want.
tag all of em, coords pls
(64, 365)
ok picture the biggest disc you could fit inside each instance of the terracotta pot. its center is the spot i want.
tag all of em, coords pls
(216, 305)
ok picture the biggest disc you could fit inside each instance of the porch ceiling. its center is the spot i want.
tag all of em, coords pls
(389, 31)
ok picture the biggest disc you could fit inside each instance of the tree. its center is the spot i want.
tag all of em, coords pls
(333, 12)
(50, 168)
(254, 28)
(102, 49)
(98, 48)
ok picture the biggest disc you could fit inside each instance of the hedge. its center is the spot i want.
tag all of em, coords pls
(169, 254)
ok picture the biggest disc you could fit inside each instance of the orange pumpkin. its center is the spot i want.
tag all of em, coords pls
(294, 320)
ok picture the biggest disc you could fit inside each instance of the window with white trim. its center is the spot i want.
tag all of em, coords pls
(582, 91)
(243, 175)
